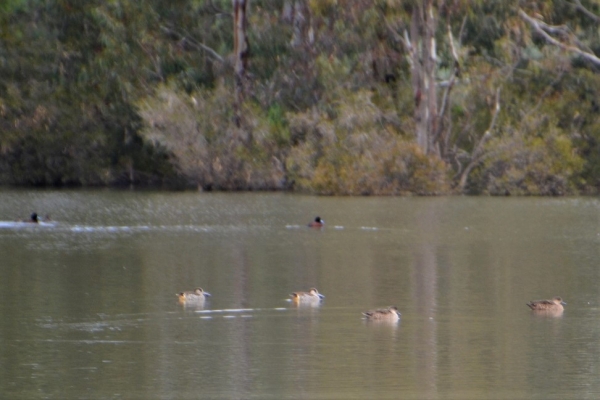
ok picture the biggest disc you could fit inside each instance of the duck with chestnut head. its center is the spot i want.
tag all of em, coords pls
(317, 223)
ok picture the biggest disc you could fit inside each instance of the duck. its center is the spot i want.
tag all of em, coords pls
(33, 219)
(554, 304)
(196, 296)
(317, 223)
(312, 296)
(383, 314)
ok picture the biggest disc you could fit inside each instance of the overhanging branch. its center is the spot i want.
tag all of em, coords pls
(543, 30)
(585, 11)
(193, 42)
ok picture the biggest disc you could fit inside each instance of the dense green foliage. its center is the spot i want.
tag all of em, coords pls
(120, 92)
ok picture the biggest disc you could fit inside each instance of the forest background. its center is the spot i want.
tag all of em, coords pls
(348, 97)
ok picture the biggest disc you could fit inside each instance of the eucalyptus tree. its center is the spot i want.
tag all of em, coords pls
(71, 72)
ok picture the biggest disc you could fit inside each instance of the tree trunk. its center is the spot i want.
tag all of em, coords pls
(241, 51)
(423, 63)
(301, 24)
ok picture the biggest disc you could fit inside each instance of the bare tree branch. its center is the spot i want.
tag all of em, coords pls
(193, 42)
(456, 73)
(394, 33)
(155, 61)
(478, 153)
(542, 29)
(216, 10)
(406, 42)
(449, 86)
(585, 11)
(545, 94)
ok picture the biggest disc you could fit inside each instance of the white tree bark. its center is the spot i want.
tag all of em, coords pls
(421, 49)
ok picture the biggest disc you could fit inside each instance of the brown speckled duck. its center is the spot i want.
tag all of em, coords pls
(555, 304)
(384, 314)
(196, 296)
(312, 296)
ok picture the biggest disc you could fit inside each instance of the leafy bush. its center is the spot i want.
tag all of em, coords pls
(206, 145)
(359, 152)
(530, 165)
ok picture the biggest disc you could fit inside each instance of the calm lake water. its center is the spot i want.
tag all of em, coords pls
(88, 307)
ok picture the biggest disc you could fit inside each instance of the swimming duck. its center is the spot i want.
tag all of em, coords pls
(312, 296)
(555, 304)
(317, 223)
(198, 295)
(34, 219)
(383, 314)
